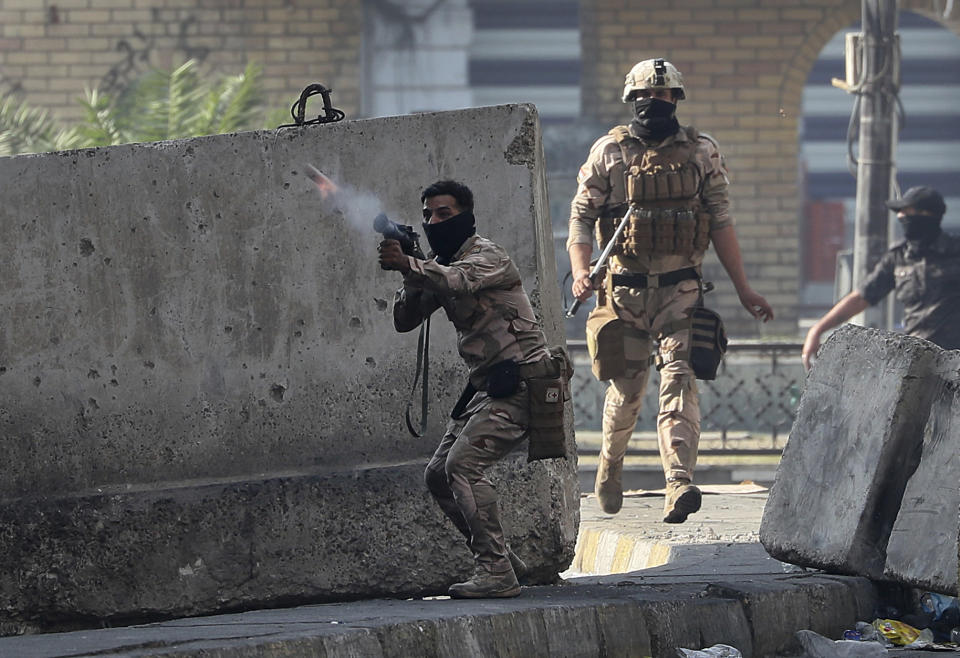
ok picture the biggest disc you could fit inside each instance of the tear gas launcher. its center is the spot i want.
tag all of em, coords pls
(408, 238)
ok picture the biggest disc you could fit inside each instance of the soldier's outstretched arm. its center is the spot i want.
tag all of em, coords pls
(728, 251)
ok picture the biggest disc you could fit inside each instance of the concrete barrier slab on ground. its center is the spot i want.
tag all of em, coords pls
(868, 480)
(851, 451)
(201, 391)
(923, 543)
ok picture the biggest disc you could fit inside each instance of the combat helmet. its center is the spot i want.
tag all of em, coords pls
(653, 74)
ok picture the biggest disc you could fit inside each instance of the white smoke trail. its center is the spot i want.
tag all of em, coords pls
(357, 207)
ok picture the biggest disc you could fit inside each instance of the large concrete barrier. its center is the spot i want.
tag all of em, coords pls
(869, 478)
(201, 392)
(923, 541)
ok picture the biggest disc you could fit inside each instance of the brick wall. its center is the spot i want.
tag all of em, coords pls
(51, 49)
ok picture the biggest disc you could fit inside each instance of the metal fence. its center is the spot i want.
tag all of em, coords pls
(755, 394)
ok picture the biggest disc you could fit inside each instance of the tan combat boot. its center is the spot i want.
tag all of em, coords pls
(607, 486)
(486, 585)
(683, 499)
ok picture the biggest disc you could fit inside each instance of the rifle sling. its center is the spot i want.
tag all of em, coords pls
(423, 360)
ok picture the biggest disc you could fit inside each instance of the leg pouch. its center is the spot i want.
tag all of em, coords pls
(708, 343)
(547, 438)
(548, 397)
(605, 343)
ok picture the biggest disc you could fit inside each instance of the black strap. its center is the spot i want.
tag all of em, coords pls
(638, 280)
(423, 359)
(468, 392)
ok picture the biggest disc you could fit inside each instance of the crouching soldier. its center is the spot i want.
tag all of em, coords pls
(499, 338)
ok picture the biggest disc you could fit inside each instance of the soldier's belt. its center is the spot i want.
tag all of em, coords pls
(545, 367)
(542, 368)
(637, 280)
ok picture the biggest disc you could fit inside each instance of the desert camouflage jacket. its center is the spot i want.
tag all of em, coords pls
(601, 188)
(481, 293)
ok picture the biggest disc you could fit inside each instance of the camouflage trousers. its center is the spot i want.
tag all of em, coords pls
(656, 314)
(484, 433)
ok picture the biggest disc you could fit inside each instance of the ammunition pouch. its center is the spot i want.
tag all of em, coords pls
(664, 185)
(548, 385)
(606, 226)
(708, 343)
(605, 334)
(659, 232)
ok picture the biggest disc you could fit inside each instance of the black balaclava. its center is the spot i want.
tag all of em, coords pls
(448, 236)
(656, 119)
(920, 228)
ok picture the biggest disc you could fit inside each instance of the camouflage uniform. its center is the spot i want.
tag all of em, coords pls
(482, 295)
(651, 313)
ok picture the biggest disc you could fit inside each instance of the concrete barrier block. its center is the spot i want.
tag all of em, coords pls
(923, 543)
(253, 544)
(200, 375)
(846, 464)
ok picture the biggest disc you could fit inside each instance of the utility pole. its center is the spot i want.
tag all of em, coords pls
(878, 83)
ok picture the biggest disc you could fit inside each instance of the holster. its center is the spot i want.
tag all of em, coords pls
(708, 343)
(548, 385)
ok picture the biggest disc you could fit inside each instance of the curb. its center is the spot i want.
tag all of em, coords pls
(610, 551)
(614, 617)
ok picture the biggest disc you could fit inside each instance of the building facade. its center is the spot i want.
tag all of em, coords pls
(756, 71)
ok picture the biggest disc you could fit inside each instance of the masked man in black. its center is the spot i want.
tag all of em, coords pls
(923, 270)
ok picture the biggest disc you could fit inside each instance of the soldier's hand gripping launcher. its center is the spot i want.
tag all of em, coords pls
(408, 238)
(601, 263)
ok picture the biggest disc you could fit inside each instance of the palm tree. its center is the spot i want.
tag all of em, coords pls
(157, 106)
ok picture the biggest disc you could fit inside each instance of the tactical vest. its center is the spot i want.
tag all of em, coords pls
(664, 186)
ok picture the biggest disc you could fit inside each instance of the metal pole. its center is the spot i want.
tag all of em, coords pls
(879, 64)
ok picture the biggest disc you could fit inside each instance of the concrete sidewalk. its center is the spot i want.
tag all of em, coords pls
(715, 584)
(636, 538)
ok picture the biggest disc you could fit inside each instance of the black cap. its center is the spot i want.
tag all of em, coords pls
(921, 197)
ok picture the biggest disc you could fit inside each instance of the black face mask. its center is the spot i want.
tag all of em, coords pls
(447, 237)
(921, 228)
(656, 119)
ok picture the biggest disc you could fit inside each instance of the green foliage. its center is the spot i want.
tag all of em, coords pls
(24, 129)
(158, 105)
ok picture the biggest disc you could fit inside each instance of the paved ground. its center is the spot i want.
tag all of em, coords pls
(714, 584)
(635, 538)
